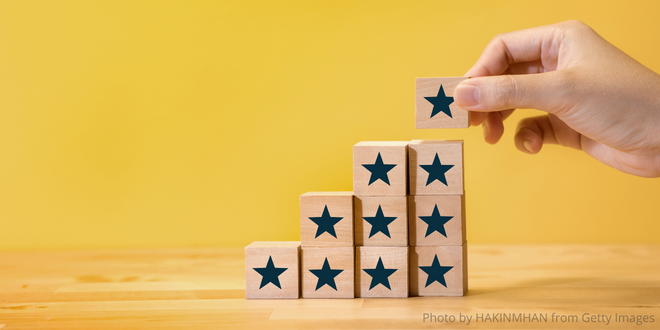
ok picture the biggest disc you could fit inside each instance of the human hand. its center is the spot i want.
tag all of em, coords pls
(598, 99)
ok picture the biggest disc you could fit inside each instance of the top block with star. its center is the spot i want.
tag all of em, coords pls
(436, 167)
(380, 168)
(435, 106)
(326, 218)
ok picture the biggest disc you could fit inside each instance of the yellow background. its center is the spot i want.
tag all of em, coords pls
(199, 123)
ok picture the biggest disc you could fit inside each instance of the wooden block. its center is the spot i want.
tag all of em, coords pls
(327, 272)
(381, 221)
(380, 168)
(272, 270)
(438, 270)
(436, 167)
(437, 220)
(381, 272)
(326, 218)
(435, 106)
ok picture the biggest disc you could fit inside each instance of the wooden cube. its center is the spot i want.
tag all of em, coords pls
(438, 270)
(436, 167)
(272, 270)
(326, 218)
(380, 168)
(327, 272)
(381, 271)
(435, 106)
(437, 220)
(381, 221)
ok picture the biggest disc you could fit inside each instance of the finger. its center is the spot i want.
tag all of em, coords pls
(493, 127)
(478, 117)
(526, 68)
(532, 133)
(551, 92)
(506, 113)
(513, 47)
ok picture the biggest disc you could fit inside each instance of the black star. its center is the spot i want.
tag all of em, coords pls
(436, 222)
(436, 171)
(436, 272)
(379, 275)
(440, 103)
(326, 275)
(270, 274)
(326, 223)
(379, 170)
(379, 223)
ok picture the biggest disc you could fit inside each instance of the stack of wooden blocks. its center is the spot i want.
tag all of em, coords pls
(399, 233)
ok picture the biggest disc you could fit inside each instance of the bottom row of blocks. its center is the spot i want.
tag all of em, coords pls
(273, 270)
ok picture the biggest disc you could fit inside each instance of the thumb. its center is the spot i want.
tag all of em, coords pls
(542, 91)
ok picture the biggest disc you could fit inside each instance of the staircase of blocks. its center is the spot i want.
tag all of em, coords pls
(401, 231)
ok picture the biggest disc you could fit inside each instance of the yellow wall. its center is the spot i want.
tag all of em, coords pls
(199, 123)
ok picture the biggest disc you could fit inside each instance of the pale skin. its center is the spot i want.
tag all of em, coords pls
(598, 99)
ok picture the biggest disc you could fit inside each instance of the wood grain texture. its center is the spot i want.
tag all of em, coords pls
(390, 207)
(391, 152)
(456, 279)
(284, 255)
(429, 87)
(423, 152)
(448, 206)
(366, 257)
(338, 258)
(208, 290)
(339, 204)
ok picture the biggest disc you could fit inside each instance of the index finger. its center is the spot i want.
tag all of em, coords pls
(529, 45)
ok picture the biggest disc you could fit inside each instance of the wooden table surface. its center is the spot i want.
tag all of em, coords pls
(204, 288)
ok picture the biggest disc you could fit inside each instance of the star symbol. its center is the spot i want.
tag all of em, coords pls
(435, 272)
(379, 223)
(436, 171)
(380, 274)
(379, 170)
(436, 222)
(326, 275)
(325, 223)
(440, 103)
(270, 274)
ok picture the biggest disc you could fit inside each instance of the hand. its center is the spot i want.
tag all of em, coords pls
(598, 99)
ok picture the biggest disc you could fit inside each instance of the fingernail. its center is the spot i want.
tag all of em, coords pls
(528, 145)
(469, 95)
